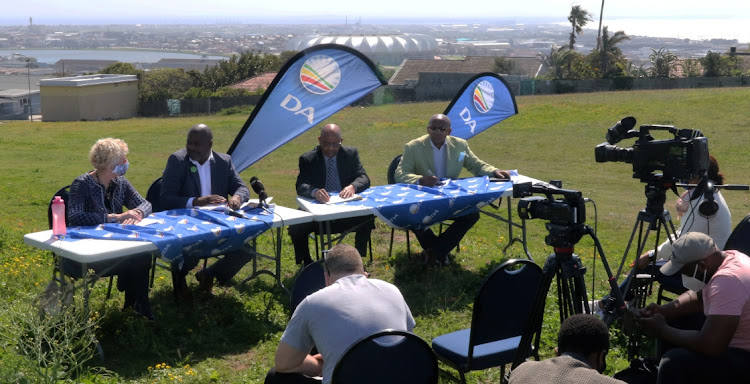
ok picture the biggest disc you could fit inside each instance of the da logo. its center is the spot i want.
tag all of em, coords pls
(484, 96)
(320, 74)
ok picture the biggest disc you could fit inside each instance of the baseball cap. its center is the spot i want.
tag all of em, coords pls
(688, 248)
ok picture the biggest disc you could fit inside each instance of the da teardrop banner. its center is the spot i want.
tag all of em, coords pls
(484, 101)
(312, 85)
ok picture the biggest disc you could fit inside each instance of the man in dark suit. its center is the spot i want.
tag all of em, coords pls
(196, 176)
(331, 167)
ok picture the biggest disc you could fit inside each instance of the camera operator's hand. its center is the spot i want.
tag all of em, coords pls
(653, 325)
(429, 181)
(651, 310)
(643, 261)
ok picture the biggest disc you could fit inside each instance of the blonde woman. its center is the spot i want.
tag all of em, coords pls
(97, 197)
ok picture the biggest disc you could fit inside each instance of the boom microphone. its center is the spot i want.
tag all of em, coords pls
(260, 190)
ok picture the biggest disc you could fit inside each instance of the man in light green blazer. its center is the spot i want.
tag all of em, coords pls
(439, 155)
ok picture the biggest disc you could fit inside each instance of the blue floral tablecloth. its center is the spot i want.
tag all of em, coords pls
(416, 207)
(185, 233)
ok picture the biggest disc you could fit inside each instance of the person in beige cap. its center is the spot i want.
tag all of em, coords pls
(718, 285)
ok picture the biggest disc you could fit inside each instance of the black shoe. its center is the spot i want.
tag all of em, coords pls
(129, 301)
(205, 281)
(181, 291)
(144, 309)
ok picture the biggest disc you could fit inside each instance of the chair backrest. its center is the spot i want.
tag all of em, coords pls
(309, 280)
(64, 194)
(153, 195)
(389, 356)
(503, 306)
(392, 169)
(739, 240)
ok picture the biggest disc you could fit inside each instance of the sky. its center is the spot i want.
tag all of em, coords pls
(721, 17)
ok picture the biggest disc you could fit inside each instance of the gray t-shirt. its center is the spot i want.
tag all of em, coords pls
(351, 308)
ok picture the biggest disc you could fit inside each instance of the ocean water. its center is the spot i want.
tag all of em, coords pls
(694, 29)
(51, 56)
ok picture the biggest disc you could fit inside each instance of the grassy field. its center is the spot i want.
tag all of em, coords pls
(231, 338)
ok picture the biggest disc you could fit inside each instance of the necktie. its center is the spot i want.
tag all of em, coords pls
(332, 179)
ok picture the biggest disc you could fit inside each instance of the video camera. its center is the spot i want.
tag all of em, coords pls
(683, 158)
(566, 215)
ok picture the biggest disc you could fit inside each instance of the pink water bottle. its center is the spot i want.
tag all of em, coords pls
(58, 216)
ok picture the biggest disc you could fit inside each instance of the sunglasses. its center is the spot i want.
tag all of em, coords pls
(436, 129)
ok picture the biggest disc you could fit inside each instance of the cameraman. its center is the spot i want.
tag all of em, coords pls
(718, 284)
(718, 226)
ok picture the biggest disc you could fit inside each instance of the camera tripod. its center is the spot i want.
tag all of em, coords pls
(567, 269)
(652, 218)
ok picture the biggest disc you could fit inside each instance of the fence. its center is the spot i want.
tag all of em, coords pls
(207, 105)
(443, 87)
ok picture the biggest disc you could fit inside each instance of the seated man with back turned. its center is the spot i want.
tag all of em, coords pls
(582, 347)
(331, 167)
(434, 156)
(350, 307)
(197, 176)
(718, 284)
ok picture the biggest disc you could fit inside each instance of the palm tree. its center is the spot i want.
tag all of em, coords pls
(663, 62)
(558, 60)
(578, 18)
(609, 53)
(599, 33)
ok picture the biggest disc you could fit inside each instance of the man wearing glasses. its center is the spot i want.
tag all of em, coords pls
(331, 168)
(430, 158)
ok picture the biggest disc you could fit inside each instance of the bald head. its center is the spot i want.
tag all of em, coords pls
(439, 120)
(202, 129)
(332, 130)
(439, 128)
(330, 140)
(199, 142)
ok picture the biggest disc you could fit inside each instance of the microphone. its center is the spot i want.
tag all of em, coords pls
(260, 190)
(232, 212)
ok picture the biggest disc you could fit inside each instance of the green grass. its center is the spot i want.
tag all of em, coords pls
(232, 337)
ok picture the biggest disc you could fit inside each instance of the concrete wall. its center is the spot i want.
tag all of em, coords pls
(91, 102)
(433, 86)
(439, 86)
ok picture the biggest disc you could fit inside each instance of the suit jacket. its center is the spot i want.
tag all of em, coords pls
(559, 370)
(312, 171)
(417, 160)
(180, 182)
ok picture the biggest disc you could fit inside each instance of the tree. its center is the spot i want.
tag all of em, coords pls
(162, 84)
(578, 18)
(664, 62)
(711, 64)
(237, 68)
(566, 64)
(122, 69)
(284, 56)
(691, 68)
(611, 61)
(505, 65)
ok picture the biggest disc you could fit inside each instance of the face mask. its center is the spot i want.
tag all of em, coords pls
(120, 169)
(692, 283)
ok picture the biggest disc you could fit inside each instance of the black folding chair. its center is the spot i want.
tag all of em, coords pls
(59, 271)
(389, 356)
(502, 314)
